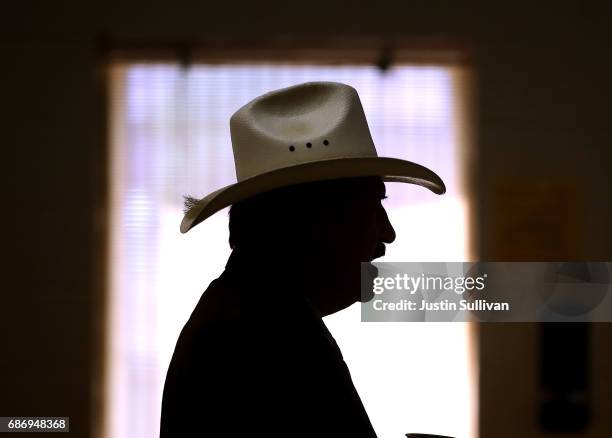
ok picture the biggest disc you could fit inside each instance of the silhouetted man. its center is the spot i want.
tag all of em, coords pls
(255, 357)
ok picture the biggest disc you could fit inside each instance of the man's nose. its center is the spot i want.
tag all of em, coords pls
(387, 233)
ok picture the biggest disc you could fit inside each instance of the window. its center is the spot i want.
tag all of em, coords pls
(170, 136)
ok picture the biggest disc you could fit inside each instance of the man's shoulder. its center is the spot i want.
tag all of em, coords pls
(231, 319)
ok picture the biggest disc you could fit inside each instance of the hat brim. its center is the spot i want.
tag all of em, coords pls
(389, 169)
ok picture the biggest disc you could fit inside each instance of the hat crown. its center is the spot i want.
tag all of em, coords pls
(300, 124)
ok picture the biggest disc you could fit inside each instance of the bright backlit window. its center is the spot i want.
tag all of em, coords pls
(170, 136)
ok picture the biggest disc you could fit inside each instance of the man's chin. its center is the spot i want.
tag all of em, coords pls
(369, 273)
(366, 296)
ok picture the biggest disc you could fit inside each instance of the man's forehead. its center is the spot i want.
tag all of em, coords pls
(377, 186)
(380, 187)
(369, 186)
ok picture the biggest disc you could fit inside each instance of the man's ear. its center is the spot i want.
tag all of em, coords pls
(320, 234)
(328, 232)
(316, 232)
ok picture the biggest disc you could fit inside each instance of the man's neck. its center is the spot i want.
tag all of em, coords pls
(287, 272)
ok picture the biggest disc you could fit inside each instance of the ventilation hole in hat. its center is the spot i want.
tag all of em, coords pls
(291, 148)
(325, 142)
(308, 145)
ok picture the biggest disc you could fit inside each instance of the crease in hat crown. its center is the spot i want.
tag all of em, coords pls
(276, 129)
(303, 133)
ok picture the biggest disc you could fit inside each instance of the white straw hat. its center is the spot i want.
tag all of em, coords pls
(309, 132)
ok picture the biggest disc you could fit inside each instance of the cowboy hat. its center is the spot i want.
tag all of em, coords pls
(309, 132)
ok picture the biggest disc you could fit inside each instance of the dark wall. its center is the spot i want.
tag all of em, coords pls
(543, 102)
